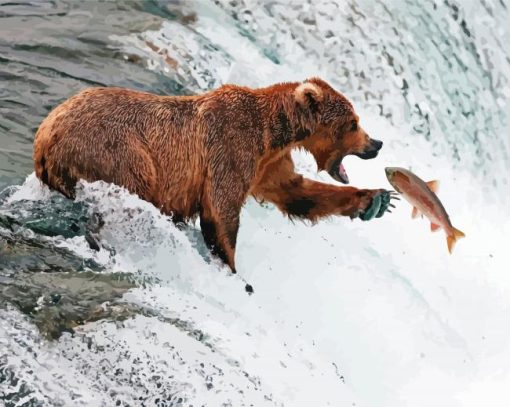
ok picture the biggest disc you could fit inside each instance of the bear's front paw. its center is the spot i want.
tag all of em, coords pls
(375, 204)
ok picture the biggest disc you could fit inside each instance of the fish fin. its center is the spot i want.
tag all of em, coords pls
(434, 227)
(433, 185)
(458, 234)
(414, 213)
(451, 240)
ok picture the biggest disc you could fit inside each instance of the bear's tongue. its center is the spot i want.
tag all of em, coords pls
(343, 174)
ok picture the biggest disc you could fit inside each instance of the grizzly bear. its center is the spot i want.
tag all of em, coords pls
(205, 154)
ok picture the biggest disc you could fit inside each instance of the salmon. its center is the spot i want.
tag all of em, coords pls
(422, 196)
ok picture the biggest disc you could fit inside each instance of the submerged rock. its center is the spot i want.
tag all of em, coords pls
(59, 301)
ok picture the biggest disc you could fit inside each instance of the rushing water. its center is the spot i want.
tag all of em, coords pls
(344, 313)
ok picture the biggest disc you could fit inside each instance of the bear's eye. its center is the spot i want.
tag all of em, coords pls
(354, 125)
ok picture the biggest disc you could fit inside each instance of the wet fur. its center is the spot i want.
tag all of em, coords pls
(204, 155)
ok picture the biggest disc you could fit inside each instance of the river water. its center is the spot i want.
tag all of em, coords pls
(344, 313)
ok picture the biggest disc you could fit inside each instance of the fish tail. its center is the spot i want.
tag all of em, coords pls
(452, 239)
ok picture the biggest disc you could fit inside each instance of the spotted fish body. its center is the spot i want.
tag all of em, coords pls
(421, 195)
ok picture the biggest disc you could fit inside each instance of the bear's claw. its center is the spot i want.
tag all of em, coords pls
(379, 205)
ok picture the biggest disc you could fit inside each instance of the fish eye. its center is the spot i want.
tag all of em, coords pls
(354, 125)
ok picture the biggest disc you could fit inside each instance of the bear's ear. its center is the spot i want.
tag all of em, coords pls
(309, 95)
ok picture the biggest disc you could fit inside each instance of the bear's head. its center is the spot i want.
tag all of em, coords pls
(334, 128)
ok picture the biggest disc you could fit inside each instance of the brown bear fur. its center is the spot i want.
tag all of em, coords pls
(204, 155)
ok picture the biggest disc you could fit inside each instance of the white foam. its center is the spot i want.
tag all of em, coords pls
(32, 190)
(376, 313)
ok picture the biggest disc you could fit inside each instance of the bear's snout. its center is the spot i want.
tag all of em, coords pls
(377, 144)
(371, 150)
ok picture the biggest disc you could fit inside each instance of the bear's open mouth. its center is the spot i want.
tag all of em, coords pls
(337, 171)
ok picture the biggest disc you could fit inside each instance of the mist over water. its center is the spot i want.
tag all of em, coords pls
(344, 313)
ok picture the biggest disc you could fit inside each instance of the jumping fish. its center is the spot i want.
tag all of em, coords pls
(422, 196)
